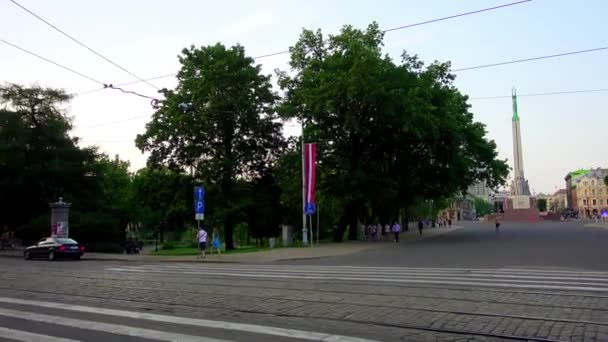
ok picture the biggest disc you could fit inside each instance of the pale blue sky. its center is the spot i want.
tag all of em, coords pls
(560, 133)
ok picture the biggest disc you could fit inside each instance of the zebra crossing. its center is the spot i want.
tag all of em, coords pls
(513, 278)
(43, 321)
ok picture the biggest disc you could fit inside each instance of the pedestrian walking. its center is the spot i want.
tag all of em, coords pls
(497, 224)
(420, 226)
(387, 230)
(396, 231)
(449, 223)
(216, 243)
(202, 242)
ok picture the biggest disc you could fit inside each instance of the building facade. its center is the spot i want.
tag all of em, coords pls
(587, 194)
(559, 201)
(480, 190)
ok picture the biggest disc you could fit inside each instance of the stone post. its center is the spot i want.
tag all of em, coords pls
(60, 213)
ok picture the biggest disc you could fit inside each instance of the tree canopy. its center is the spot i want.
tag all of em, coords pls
(227, 132)
(389, 133)
(395, 139)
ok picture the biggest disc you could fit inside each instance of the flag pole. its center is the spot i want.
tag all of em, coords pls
(304, 232)
(318, 213)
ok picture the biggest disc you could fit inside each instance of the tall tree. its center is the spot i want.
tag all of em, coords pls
(227, 133)
(39, 160)
(388, 133)
(163, 197)
(541, 204)
(483, 207)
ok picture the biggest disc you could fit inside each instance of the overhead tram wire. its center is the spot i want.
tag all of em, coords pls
(553, 93)
(82, 44)
(456, 16)
(53, 62)
(483, 66)
(462, 69)
(568, 92)
(532, 59)
(385, 31)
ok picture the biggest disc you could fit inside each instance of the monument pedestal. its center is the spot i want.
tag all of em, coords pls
(519, 209)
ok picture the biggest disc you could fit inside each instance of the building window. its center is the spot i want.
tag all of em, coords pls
(601, 201)
(592, 182)
(584, 202)
(594, 202)
(593, 191)
(585, 183)
(586, 192)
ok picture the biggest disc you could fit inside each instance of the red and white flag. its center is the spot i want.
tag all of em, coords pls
(310, 172)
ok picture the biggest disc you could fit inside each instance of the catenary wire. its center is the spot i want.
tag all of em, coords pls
(553, 93)
(386, 30)
(532, 59)
(52, 62)
(82, 44)
(567, 92)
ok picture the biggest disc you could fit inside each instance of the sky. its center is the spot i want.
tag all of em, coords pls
(560, 133)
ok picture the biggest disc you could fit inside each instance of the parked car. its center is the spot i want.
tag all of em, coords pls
(54, 248)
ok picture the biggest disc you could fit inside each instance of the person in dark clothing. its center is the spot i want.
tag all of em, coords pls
(420, 226)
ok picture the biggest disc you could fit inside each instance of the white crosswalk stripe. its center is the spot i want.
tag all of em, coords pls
(129, 330)
(18, 335)
(502, 278)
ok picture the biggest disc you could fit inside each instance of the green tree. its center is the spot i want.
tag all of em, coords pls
(102, 225)
(606, 180)
(228, 132)
(483, 207)
(541, 204)
(39, 161)
(390, 135)
(164, 199)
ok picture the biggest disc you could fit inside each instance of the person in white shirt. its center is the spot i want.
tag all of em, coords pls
(202, 242)
(396, 231)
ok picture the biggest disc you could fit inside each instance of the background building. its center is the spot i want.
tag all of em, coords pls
(559, 201)
(480, 190)
(586, 192)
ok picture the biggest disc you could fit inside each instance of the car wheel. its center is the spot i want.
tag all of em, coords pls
(26, 255)
(51, 255)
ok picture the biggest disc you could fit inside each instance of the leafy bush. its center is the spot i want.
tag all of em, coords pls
(93, 228)
(168, 246)
(104, 247)
(36, 229)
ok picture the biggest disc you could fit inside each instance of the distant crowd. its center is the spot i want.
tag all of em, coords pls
(384, 232)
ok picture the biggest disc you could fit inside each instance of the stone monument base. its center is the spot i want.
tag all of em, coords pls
(519, 209)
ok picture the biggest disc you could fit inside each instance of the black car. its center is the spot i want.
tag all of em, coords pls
(54, 248)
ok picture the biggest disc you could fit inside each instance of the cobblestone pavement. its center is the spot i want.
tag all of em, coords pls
(117, 301)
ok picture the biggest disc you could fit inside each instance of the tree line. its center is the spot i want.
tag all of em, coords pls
(391, 136)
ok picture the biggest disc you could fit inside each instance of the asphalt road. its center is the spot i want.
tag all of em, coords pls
(546, 245)
(531, 282)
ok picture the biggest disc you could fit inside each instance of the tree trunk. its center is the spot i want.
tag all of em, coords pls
(353, 224)
(341, 228)
(228, 231)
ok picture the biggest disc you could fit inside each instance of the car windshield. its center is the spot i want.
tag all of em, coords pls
(67, 241)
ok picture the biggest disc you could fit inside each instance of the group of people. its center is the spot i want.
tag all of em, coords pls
(377, 232)
(202, 238)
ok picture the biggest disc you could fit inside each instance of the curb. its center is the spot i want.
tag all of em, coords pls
(597, 225)
(138, 260)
